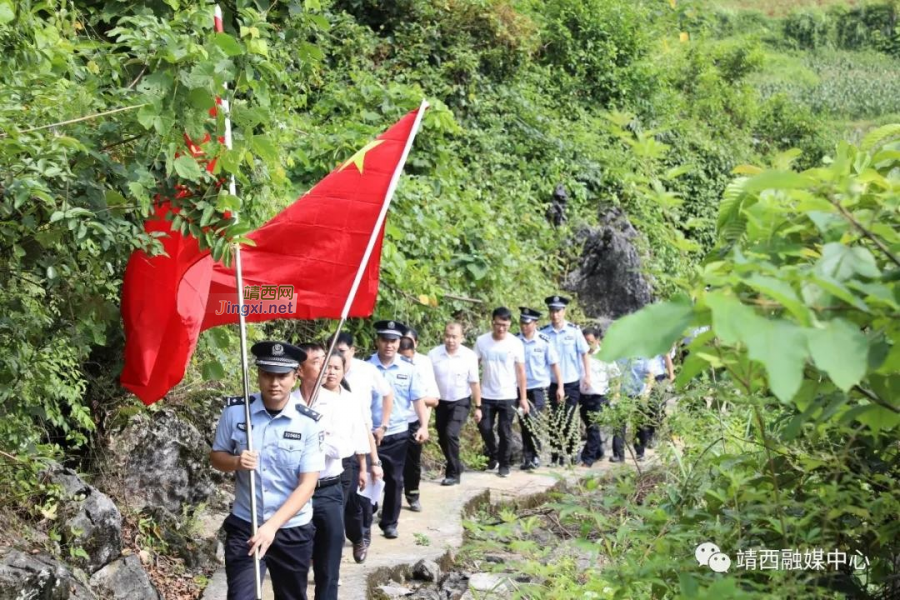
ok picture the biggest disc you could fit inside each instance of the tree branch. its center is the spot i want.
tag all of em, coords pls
(881, 246)
(78, 120)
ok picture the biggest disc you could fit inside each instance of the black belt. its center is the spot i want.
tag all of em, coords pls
(327, 481)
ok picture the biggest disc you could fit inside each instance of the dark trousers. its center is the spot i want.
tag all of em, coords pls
(287, 559)
(449, 420)
(412, 470)
(349, 480)
(564, 441)
(392, 453)
(531, 445)
(328, 517)
(357, 510)
(591, 405)
(618, 444)
(502, 411)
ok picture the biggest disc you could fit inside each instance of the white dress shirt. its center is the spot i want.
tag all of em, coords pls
(337, 427)
(454, 373)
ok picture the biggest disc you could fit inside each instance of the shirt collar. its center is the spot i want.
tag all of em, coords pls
(257, 406)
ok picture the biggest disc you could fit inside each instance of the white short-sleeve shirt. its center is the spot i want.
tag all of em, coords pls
(498, 363)
(454, 373)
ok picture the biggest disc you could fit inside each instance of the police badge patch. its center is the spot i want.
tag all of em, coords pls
(321, 440)
(293, 435)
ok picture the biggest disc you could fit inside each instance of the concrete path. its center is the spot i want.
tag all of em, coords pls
(439, 525)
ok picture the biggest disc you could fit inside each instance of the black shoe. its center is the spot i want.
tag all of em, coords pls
(503, 472)
(360, 551)
(492, 464)
(414, 504)
(390, 532)
(616, 459)
(450, 481)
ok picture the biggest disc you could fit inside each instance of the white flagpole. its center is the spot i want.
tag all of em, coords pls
(232, 189)
(363, 265)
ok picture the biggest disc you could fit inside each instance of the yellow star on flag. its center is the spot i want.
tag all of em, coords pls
(358, 158)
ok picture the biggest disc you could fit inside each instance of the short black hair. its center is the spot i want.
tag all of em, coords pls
(342, 338)
(410, 332)
(309, 346)
(594, 331)
(407, 344)
(502, 313)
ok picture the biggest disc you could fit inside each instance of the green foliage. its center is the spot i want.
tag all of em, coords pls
(601, 44)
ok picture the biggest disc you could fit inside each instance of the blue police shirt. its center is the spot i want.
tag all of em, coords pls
(540, 355)
(288, 444)
(635, 372)
(570, 346)
(408, 388)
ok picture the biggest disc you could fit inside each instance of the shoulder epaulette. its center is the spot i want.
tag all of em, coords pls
(308, 412)
(573, 325)
(544, 336)
(407, 359)
(546, 327)
(234, 401)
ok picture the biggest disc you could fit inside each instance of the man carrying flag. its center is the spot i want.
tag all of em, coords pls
(286, 464)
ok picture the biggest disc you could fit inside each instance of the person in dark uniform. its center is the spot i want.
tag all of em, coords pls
(572, 349)
(409, 397)
(540, 360)
(412, 470)
(286, 458)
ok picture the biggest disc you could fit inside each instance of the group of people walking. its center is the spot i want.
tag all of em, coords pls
(314, 452)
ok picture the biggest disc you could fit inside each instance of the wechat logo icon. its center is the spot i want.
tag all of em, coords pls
(709, 555)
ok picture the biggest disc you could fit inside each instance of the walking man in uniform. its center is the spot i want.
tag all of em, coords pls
(540, 360)
(456, 373)
(568, 341)
(286, 458)
(502, 358)
(409, 397)
(412, 471)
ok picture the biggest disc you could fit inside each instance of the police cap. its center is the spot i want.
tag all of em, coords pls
(277, 357)
(390, 329)
(529, 315)
(554, 302)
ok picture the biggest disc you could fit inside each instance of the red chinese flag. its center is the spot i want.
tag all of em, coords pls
(308, 255)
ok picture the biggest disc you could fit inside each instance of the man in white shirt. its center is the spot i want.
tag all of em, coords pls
(456, 375)
(593, 397)
(412, 470)
(502, 358)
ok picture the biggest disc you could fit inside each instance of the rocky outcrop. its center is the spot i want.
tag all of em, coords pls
(88, 520)
(38, 576)
(608, 280)
(124, 579)
(161, 460)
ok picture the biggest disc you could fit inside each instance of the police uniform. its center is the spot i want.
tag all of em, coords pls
(412, 470)
(540, 355)
(288, 445)
(570, 346)
(408, 389)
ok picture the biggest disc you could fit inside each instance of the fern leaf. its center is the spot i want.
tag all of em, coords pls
(878, 137)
